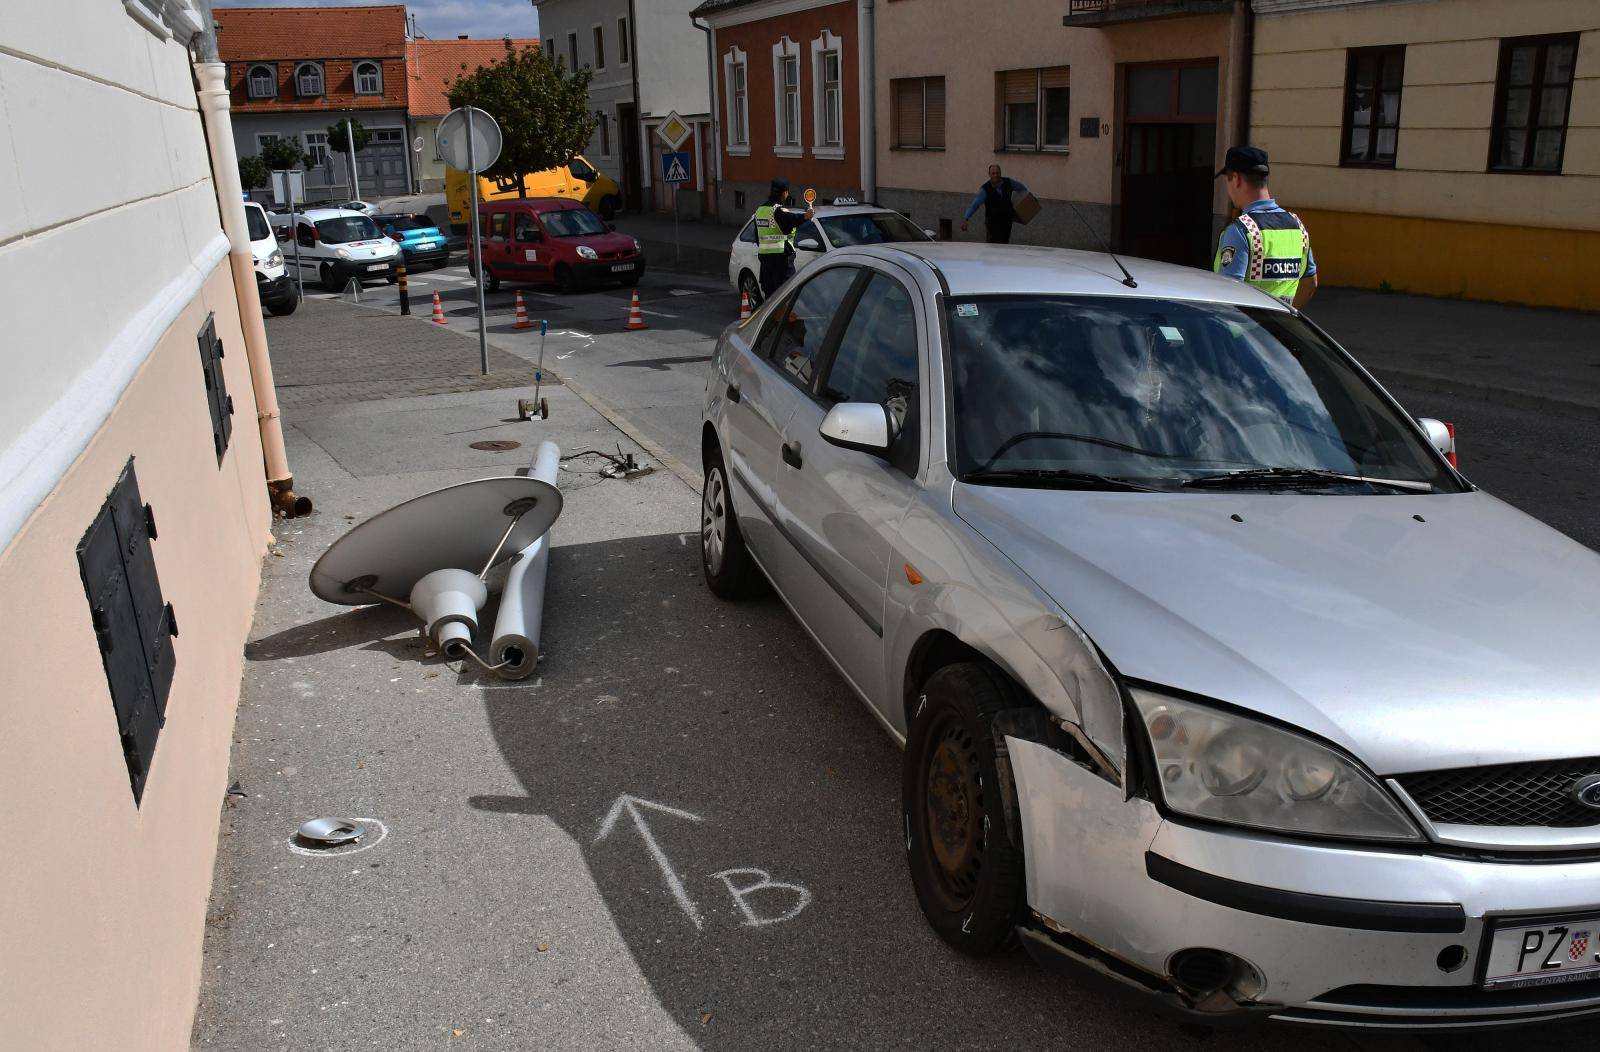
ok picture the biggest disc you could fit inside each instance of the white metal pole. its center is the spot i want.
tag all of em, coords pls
(477, 248)
(294, 232)
(350, 144)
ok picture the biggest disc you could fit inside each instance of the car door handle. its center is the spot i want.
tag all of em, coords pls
(791, 455)
(733, 393)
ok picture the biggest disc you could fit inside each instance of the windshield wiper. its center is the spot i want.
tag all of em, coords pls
(1053, 478)
(1269, 476)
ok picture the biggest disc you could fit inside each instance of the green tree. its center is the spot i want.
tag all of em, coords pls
(285, 153)
(543, 110)
(253, 172)
(338, 142)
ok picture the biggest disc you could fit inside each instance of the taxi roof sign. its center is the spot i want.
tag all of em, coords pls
(673, 129)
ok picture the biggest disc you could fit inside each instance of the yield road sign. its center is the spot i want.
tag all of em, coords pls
(675, 168)
(673, 130)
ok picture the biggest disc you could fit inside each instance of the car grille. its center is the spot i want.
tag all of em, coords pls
(1511, 794)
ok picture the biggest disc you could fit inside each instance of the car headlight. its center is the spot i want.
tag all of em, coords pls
(587, 253)
(276, 259)
(343, 253)
(1228, 768)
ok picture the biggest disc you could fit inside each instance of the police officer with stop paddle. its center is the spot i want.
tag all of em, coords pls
(775, 227)
(1267, 246)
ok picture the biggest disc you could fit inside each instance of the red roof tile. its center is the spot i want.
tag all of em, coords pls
(432, 64)
(246, 33)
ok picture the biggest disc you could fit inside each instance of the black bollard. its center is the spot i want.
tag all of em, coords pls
(405, 296)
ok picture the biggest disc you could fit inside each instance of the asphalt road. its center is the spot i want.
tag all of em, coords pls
(684, 834)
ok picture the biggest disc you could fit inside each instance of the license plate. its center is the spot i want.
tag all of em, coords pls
(1544, 952)
(378, 266)
(620, 267)
(427, 244)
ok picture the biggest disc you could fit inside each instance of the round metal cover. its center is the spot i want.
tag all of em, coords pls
(331, 831)
(452, 137)
(452, 528)
(495, 445)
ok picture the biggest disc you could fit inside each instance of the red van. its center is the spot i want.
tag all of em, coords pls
(547, 239)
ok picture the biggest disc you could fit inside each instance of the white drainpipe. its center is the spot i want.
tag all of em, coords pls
(868, 89)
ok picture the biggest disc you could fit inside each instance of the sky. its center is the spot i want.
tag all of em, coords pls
(438, 19)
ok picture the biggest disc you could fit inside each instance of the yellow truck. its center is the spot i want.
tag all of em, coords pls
(575, 181)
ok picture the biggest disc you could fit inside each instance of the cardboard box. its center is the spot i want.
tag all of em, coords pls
(1026, 206)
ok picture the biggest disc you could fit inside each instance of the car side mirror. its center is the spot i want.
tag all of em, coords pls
(862, 426)
(932, 235)
(1441, 435)
(810, 244)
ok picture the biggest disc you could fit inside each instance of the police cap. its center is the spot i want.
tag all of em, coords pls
(1246, 160)
(780, 184)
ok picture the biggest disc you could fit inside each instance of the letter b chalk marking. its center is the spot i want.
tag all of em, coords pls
(763, 882)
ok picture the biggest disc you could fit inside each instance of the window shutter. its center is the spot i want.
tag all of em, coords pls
(908, 112)
(217, 398)
(1055, 77)
(935, 104)
(1021, 85)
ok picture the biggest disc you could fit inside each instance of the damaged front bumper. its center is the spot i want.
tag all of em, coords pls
(1224, 925)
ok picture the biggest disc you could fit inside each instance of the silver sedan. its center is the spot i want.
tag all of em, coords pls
(1213, 674)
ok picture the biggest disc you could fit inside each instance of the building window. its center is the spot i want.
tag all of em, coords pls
(603, 129)
(369, 78)
(308, 80)
(1373, 76)
(1035, 108)
(918, 113)
(827, 102)
(735, 72)
(599, 47)
(1532, 96)
(550, 48)
(786, 97)
(572, 51)
(263, 82)
(624, 56)
(317, 149)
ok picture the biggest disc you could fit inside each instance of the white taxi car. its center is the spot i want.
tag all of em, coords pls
(834, 226)
(335, 245)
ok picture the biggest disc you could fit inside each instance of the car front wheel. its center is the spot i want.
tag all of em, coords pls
(330, 281)
(956, 792)
(730, 572)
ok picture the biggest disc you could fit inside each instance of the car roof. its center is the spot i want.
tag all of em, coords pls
(537, 204)
(316, 214)
(970, 269)
(824, 211)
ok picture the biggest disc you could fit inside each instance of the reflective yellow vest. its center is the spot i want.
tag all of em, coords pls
(770, 237)
(1280, 250)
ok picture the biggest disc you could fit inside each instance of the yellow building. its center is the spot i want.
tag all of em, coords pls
(1445, 147)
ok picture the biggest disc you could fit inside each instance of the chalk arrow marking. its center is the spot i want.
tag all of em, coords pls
(634, 807)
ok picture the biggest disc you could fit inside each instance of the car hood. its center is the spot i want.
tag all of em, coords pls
(1417, 632)
(372, 249)
(608, 242)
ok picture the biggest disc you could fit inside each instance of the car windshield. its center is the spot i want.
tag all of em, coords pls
(870, 228)
(256, 221)
(1160, 393)
(344, 229)
(572, 222)
(401, 223)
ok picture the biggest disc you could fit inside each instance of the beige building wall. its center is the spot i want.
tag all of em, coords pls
(110, 273)
(1439, 221)
(966, 42)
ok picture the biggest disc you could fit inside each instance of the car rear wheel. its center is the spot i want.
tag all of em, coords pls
(730, 572)
(956, 792)
(750, 287)
(491, 282)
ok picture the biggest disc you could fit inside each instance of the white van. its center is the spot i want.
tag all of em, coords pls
(278, 293)
(337, 244)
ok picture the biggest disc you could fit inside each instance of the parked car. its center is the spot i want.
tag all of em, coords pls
(545, 239)
(337, 244)
(276, 287)
(833, 226)
(360, 206)
(420, 241)
(577, 180)
(1213, 674)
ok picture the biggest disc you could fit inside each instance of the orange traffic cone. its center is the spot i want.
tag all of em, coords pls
(438, 310)
(635, 315)
(522, 315)
(744, 307)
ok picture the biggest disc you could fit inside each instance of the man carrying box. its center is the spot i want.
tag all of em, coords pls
(994, 197)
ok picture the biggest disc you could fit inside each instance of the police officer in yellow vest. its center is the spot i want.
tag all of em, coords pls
(1266, 246)
(775, 227)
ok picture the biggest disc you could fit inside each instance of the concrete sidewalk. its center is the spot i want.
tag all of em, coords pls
(1521, 357)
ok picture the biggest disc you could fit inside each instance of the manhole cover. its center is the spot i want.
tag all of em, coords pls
(496, 445)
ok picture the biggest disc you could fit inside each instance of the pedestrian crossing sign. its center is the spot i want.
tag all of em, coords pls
(675, 167)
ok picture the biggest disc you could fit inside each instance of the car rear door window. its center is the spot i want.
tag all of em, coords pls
(806, 321)
(877, 362)
(498, 224)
